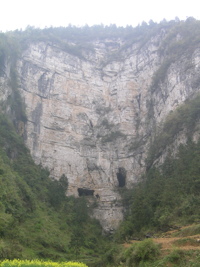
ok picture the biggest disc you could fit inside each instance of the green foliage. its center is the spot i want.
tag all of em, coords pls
(171, 196)
(143, 251)
(80, 219)
(185, 117)
(177, 256)
(15, 100)
(189, 231)
(9, 49)
(161, 73)
(181, 39)
(167, 195)
(76, 40)
(137, 254)
(149, 254)
(9, 53)
(37, 220)
(56, 193)
(112, 256)
(64, 182)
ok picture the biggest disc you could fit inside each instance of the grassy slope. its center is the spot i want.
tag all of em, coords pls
(177, 248)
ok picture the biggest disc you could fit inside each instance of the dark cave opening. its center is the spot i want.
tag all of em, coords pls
(121, 177)
(85, 192)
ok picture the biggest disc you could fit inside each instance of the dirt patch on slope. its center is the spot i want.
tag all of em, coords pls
(168, 242)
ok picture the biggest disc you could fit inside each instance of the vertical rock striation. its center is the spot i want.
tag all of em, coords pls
(92, 117)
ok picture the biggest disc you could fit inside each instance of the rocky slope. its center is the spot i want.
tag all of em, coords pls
(92, 117)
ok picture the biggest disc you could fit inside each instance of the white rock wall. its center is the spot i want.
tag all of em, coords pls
(88, 118)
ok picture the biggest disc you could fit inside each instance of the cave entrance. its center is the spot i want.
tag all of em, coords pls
(85, 192)
(121, 177)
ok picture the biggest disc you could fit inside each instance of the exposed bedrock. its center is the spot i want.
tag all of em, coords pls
(92, 118)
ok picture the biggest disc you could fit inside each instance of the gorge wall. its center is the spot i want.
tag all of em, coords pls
(92, 117)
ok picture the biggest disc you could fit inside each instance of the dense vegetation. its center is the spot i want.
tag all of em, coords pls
(181, 40)
(168, 194)
(75, 40)
(166, 198)
(37, 220)
(148, 253)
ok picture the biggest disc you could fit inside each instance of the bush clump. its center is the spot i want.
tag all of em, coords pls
(140, 252)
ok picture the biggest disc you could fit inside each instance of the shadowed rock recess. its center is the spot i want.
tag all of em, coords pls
(92, 117)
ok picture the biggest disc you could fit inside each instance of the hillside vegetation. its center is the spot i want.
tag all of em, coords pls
(177, 248)
(37, 220)
(168, 194)
(166, 199)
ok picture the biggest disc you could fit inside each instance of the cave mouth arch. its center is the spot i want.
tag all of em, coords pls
(85, 192)
(121, 177)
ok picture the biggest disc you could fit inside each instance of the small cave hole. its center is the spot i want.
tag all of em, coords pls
(97, 196)
(85, 192)
(121, 177)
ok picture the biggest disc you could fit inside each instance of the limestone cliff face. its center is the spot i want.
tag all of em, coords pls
(92, 117)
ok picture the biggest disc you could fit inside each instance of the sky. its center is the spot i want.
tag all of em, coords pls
(18, 14)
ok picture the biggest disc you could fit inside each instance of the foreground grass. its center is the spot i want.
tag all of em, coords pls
(147, 254)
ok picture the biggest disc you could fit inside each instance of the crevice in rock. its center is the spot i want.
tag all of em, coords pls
(121, 177)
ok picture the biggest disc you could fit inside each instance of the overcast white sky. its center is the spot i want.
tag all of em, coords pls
(17, 14)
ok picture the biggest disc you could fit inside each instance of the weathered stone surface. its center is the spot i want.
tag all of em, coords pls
(92, 119)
